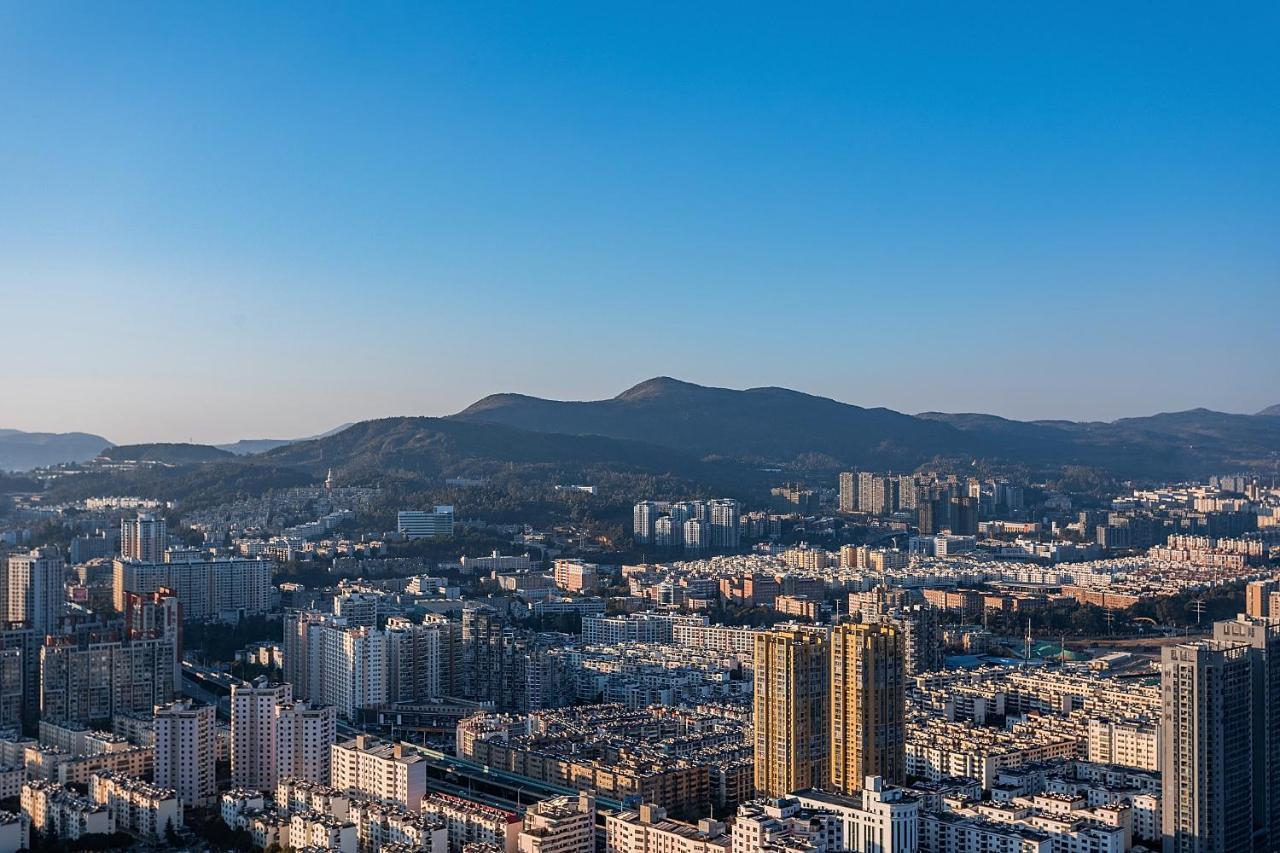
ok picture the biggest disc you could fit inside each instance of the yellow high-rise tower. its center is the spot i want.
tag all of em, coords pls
(868, 705)
(791, 701)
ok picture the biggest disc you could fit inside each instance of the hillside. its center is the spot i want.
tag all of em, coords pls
(23, 451)
(435, 448)
(169, 454)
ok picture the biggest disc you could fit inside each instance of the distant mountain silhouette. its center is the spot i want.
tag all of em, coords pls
(1271, 411)
(781, 425)
(23, 451)
(248, 446)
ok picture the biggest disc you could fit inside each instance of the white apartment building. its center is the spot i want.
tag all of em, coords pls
(560, 825)
(185, 751)
(390, 827)
(468, 822)
(37, 589)
(144, 538)
(649, 830)
(273, 737)
(878, 819)
(206, 588)
(321, 832)
(1127, 743)
(57, 812)
(137, 806)
(383, 771)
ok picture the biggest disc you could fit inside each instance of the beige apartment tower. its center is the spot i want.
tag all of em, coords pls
(791, 701)
(868, 705)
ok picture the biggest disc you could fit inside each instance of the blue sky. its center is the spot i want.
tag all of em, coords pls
(238, 220)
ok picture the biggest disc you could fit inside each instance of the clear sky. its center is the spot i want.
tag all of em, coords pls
(226, 220)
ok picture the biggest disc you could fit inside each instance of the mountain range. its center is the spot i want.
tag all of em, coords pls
(666, 426)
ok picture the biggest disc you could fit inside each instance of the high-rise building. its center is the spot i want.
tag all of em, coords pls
(1206, 751)
(415, 659)
(82, 681)
(644, 516)
(868, 705)
(964, 516)
(185, 751)
(144, 538)
(848, 491)
(205, 588)
(37, 589)
(791, 710)
(1257, 597)
(877, 493)
(725, 531)
(694, 534)
(274, 737)
(1262, 637)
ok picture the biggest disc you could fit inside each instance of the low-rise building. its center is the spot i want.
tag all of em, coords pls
(137, 806)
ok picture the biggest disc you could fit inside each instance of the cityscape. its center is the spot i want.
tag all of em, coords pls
(444, 428)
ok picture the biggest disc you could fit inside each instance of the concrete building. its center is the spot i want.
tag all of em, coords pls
(82, 681)
(647, 829)
(384, 771)
(470, 822)
(868, 705)
(57, 812)
(560, 825)
(417, 524)
(1206, 748)
(207, 589)
(185, 751)
(36, 583)
(136, 806)
(144, 538)
(878, 819)
(273, 737)
(791, 699)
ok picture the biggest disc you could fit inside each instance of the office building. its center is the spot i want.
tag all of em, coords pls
(37, 589)
(185, 751)
(417, 524)
(1206, 748)
(144, 538)
(868, 705)
(791, 704)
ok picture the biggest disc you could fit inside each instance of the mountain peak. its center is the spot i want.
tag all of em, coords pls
(1271, 411)
(656, 387)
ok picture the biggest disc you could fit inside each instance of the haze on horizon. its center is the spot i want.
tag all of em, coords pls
(253, 221)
